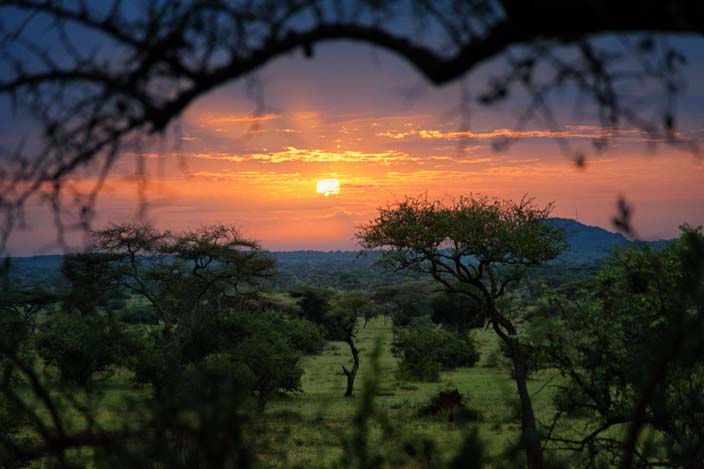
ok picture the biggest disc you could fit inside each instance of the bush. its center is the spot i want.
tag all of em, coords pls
(82, 346)
(305, 336)
(138, 314)
(265, 348)
(456, 311)
(424, 350)
(315, 307)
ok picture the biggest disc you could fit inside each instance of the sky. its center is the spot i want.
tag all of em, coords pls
(251, 155)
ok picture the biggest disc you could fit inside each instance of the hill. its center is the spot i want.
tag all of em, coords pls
(588, 244)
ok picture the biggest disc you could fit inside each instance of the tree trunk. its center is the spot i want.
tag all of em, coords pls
(530, 436)
(351, 374)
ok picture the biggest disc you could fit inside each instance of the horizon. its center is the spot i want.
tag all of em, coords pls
(357, 250)
(251, 154)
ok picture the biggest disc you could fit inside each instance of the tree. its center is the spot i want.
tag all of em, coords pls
(27, 304)
(92, 282)
(273, 363)
(407, 301)
(207, 369)
(82, 346)
(304, 336)
(630, 350)
(263, 347)
(456, 311)
(348, 308)
(315, 304)
(161, 57)
(483, 244)
(183, 274)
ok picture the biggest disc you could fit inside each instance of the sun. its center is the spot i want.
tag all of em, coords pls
(328, 187)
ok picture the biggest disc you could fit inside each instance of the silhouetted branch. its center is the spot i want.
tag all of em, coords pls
(153, 59)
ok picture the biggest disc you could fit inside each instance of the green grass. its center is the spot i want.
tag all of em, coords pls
(306, 429)
(309, 426)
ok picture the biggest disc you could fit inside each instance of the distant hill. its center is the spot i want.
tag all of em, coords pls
(37, 271)
(592, 243)
(346, 269)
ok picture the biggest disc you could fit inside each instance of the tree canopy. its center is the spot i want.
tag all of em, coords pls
(604, 343)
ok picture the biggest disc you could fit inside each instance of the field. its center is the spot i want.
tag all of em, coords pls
(309, 426)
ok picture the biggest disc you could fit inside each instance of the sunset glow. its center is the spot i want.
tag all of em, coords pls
(328, 187)
(274, 173)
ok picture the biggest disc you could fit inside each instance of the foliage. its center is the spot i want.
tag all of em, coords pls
(476, 231)
(138, 314)
(183, 274)
(631, 352)
(315, 304)
(92, 281)
(82, 347)
(15, 331)
(263, 346)
(26, 304)
(424, 350)
(456, 311)
(304, 336)
(406, 301)
(485, 246)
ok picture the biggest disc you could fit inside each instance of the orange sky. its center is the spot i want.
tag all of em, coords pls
(229, 162)
(269, 191)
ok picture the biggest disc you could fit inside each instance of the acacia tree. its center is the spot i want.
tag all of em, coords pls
(154, 59)
(27, 304)
(180, 274)
(482, 244)
(347, 310)
(202, 371)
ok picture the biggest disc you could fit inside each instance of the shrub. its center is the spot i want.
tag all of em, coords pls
(81, 346)
(262, 347)
(456, 311)
(305, 336)
(424, 350)
(315, 307)
(138, 314)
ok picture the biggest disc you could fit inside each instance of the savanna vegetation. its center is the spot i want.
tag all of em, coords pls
(472, 337)
(186, 349)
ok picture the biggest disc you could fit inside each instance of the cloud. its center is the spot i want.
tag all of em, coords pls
(249, 177)
(323, 156)
(574, 131)
(220, 156)
(293, 154)
(241, 118)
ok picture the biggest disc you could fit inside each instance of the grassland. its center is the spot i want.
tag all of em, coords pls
(307, 429)
(309, 426)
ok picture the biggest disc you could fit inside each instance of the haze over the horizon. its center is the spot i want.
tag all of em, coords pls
(252, 155)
